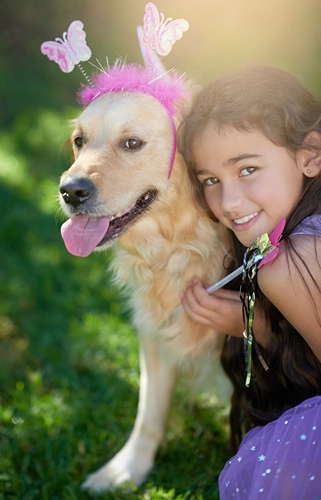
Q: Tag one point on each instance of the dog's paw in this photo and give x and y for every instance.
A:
(123, 468)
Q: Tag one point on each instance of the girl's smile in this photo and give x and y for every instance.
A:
(244, 223)
(245, 219)
(249, 183)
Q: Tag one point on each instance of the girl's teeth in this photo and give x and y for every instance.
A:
(245, 219)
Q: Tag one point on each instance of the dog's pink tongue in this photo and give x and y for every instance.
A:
(82, 233)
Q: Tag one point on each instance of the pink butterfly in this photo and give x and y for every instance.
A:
(69, 50)
(158, 34)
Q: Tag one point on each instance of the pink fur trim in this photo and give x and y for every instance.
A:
(166, 88)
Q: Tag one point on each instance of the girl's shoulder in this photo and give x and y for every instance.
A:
(291, 281)
(297, 261)
(287, 263)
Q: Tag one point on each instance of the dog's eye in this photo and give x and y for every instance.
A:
(133, 144)
(78, 142)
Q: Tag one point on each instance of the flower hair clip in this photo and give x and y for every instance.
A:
(157, 35)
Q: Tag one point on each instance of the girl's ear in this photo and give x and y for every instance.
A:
(309, 158)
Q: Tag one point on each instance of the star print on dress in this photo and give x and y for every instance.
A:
(280, 460)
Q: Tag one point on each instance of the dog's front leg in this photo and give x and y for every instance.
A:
(134, 461)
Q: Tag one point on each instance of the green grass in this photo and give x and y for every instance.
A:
(68, 356)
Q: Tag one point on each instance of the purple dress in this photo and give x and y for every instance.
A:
(281, 460)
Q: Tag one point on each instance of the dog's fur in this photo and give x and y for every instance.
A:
(159, 254)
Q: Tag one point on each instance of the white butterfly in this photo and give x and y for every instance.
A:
(158, 34)
(69, 50)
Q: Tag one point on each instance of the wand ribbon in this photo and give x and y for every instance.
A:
(264, 249)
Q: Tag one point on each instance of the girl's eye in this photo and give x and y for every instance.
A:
(133, 144)
(210, 181)
(78, 141)
(248, 171)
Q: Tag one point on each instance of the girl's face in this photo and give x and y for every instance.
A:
(249, 183)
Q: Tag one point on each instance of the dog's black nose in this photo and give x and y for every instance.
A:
(76, 190)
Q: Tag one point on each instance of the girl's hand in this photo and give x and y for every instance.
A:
(222, 310)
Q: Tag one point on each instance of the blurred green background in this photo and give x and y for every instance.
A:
(68, 355)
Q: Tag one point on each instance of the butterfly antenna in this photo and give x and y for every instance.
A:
(85, 74)
(168, 20)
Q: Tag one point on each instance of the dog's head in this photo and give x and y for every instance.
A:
(124, 146)
(124, 142)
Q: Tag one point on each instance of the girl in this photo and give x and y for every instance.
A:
(252, 142)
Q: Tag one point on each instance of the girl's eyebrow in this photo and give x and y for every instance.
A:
(242, 157)
(231, 161)
(202, 172)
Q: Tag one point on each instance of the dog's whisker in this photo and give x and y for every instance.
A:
(51, 200)
(54, 197)
(59, 215)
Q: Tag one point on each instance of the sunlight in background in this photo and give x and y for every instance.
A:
(223, 34)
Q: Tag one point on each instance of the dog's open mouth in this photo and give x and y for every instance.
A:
(83, 233)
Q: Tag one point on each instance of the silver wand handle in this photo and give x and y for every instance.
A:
(216, 286)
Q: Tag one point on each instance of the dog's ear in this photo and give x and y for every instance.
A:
(151, 60)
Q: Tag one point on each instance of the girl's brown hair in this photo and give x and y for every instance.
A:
(274, 102)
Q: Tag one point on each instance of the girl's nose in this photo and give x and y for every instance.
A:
(231, 200)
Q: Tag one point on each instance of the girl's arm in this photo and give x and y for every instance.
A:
(222, 311)
(291, 287)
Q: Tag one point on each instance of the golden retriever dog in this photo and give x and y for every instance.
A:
(119, 192)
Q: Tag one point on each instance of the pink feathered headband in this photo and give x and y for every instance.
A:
(157, 35)
(167, 89)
